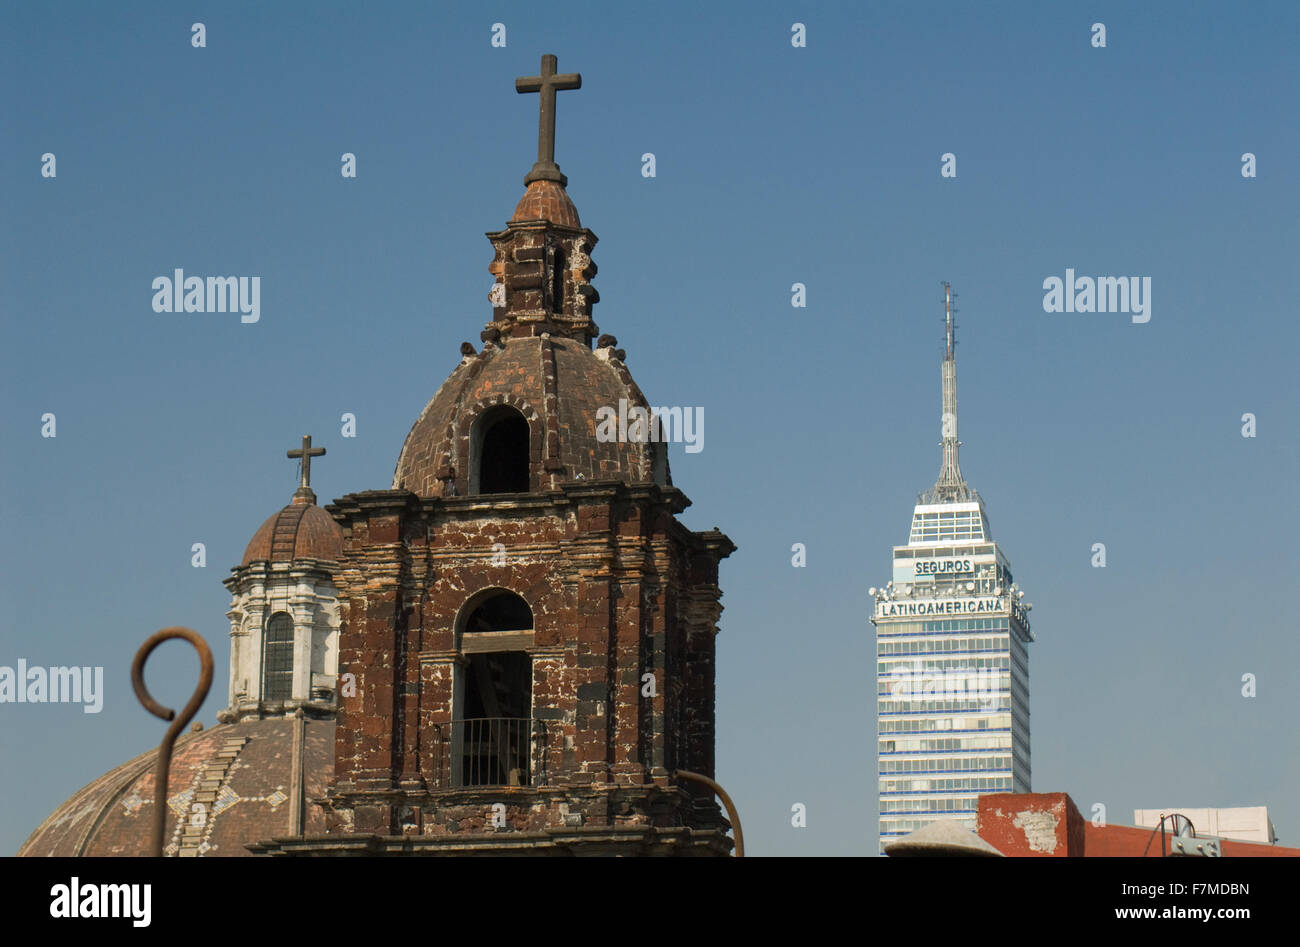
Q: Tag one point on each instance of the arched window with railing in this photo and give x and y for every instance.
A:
(494, 741)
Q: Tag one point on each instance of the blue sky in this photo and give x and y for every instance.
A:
(775, 165)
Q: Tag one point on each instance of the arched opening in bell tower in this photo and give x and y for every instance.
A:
(557, 281)
(499, 452)
(494, 733)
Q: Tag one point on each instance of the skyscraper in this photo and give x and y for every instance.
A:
(951, 642)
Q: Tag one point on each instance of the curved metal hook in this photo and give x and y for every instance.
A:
(732, 814)
(166, 713)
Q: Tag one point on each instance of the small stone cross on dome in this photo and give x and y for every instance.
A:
(306, 453)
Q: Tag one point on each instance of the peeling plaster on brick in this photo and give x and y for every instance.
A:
(1039, 828)
(616, 584)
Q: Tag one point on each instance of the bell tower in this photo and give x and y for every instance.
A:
(529, 627)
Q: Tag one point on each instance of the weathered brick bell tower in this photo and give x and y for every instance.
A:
(530, 628)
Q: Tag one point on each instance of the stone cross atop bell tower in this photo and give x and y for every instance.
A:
(547, 84)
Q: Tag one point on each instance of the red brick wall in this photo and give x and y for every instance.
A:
(1034, 825)
(618, 589)
(1049, 825)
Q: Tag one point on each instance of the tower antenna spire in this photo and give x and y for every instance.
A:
(949, 309)
(950, 487)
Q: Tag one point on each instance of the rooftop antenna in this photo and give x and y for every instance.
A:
(950, 487)
(949, 310)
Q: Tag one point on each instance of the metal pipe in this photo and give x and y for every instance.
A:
(166, 713)
(732, 814)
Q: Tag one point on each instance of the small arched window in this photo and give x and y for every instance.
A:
(277, 658)
(499, 452)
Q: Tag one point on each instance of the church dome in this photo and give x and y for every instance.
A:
(302, 530)
(547, 200)
(559, 386)
(228, 786)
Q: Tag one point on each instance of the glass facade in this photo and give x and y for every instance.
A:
(951, 522)
(952, 692)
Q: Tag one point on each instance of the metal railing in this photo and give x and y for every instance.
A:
(491, 751)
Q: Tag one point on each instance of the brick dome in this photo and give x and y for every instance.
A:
(302, 530)
(547, 200)
(558, 385)
(243, 775)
